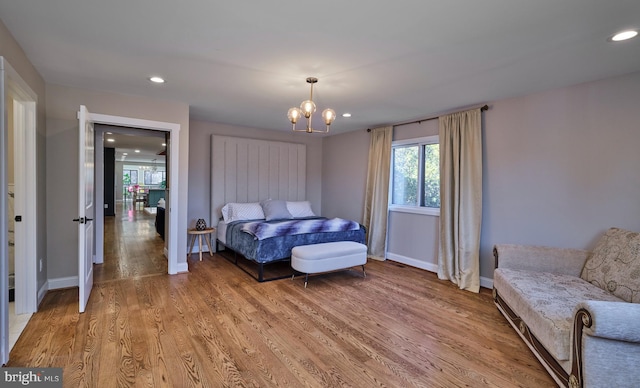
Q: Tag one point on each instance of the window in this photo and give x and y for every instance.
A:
(130, 177)
(154, 177)
(415, 176)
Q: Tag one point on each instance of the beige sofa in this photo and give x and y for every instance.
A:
(578, 311)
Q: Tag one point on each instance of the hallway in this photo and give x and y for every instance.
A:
(132, 248)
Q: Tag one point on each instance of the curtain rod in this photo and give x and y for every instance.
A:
(482, 109)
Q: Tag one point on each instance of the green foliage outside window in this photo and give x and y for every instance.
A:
(431, 195)
(126, 181)
(405, 176)
(409, 176)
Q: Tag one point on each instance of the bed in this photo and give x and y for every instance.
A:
(264, 238)
(246, 172)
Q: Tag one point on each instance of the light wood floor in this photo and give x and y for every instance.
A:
(132, 248)
(216, 326)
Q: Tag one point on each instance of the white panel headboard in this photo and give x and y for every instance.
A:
(250, 170)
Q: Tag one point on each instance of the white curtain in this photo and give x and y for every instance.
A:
(376, 199)
(460, 198)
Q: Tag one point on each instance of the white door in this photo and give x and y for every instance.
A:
(86, 235)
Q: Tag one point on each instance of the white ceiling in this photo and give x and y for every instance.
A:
(137, 148)
(245, 62)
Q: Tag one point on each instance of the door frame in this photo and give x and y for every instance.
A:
(100, 132)
(171, 250)
(26, 270)
(25, 198)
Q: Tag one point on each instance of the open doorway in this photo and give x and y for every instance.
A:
(18, 205)
(134, 175)
(18, 231)
(171, 131)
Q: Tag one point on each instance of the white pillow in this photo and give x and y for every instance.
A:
(245, 211)
(300, 209)
(225, 213)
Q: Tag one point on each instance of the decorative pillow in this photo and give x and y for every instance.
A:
(614, 265)
(225, 213)
(275, 209)
(244, 211)
(300, 209)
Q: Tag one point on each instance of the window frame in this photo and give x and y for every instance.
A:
(149, 175)
(420, 142)
(130, 172)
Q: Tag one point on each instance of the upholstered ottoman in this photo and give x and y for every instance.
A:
(325, 257)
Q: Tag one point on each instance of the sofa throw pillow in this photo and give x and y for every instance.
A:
(275, 209)
(614, 264)
(300, 209)
(245, 211)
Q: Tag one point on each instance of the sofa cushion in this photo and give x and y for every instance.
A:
(614, 264)
(545, 302)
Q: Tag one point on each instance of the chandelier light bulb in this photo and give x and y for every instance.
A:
(294, 114)
(308, 108)
(328, 115)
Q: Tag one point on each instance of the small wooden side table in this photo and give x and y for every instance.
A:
(207, 233)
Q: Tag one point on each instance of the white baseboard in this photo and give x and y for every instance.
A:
(71, 281)
(43, 291)
(183, 267)
(486, 282)
(431, 267)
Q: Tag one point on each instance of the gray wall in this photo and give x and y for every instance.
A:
(559, 168)
(344, 179)
(13, 53)
(422, 230)
(200, 163)
(344, 174)
(62, 159)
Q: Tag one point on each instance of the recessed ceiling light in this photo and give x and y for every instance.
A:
(346, 115)
(125, 154)
(164, 144)
(109, 133)
(137, 150)
(158, 80)
(111, 140)
(624, 35)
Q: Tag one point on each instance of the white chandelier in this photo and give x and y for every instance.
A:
(307, 109)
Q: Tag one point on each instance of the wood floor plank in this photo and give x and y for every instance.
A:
(217, 327)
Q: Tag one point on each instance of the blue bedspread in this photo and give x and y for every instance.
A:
(263, 229)
(278, 248)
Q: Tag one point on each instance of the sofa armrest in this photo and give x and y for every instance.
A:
(612, 320)
(606, 345)
(564, 261)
